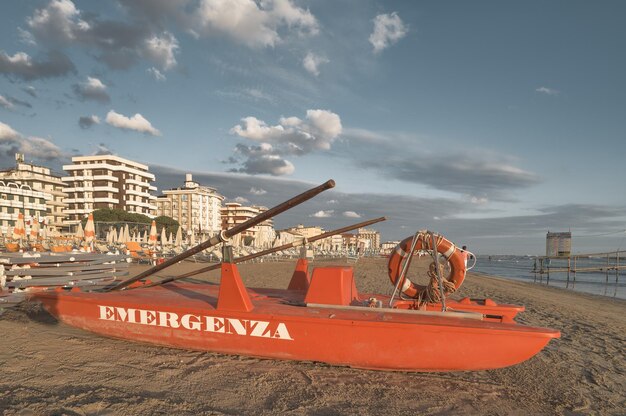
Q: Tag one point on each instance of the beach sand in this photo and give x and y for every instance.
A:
(50, 368)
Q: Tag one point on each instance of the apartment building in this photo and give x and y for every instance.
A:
(197, 208)
(370, 238)
(39, 178)
(261, 235)
(16, 198)
(107, 181)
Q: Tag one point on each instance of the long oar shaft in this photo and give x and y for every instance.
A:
(224, 235)
(271, 250)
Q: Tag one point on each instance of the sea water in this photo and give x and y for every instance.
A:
(521, 268)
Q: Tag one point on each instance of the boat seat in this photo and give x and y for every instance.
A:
(332, 286)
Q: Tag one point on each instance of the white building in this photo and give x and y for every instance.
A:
(39, 178)
(107, 181)
(260, 236)
(196, 208)
(16, 198)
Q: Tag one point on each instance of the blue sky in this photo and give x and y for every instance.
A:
(491, 122)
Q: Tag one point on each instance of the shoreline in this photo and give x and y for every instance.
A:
(50, 367)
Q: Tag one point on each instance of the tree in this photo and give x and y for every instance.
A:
(120, 216)
(170, 224)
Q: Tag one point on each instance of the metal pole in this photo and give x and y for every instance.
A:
(616, 266)
(405, 267)
(268, 251)
(225, 235)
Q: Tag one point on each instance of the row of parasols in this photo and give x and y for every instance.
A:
(113, 236)
(88, 234)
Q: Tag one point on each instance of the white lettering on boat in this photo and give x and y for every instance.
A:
(191, 322)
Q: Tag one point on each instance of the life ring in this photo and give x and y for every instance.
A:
(447, 249)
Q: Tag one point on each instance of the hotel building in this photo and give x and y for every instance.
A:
(39, 178)
(107, 181)
(371, 238)
(261, 235)
(16, 198)
(196, 208)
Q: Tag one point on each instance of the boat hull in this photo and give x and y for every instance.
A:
(278, 327)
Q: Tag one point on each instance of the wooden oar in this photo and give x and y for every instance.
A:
(269, 251)
(225, 235)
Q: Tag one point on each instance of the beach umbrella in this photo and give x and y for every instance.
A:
(79, 231)
(179, 237)
(170, 239)
(44, 230)
(90, 230)
(114, 235)
(144, 236)
(34, 230)
(152, 238)
(19, 230)
(163, 237)
(126, 233)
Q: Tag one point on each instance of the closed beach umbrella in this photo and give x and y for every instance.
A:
(163, 237)
(90, 230)
(79, 231)
(179, 237)
(114, 235)
(152, 238)
(170, 239)
(34, 230)
(19, 231)
(144, 237)
(126, 233)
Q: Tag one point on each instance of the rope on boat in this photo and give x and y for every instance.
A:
(432, 294)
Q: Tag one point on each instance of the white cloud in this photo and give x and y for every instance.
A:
(241, 200)
(323, 214)
(261, 159)
(388, 29)
(351, 214)
(162, 50)
(252, 23)
(35, 147)
(136, 122)
(547, 91)
(5, 103)
(58, 22)
(311, 63)
(92, 89)
(158, 75)
(293, 135)
(257, 191)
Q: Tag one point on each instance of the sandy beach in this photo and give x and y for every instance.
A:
(50, 368)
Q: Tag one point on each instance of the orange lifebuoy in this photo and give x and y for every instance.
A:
(446, 248)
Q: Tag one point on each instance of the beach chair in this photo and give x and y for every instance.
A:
(137, 252)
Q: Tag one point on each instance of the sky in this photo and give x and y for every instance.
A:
(491, 122)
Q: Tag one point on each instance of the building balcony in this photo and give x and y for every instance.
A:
(107, 166)
(107, 200)
(142, 194)
(105, 189)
